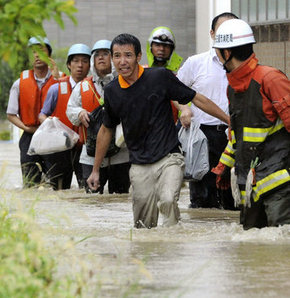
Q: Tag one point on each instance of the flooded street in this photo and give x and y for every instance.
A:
(206, 255)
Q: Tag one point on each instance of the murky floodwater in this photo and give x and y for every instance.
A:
(207, 255)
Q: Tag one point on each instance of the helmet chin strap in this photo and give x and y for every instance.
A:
(226, 60)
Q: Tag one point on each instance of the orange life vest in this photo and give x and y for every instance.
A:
(64, 92)
(90, 101)
(31, 98)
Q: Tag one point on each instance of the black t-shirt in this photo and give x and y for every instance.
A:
(146, 114)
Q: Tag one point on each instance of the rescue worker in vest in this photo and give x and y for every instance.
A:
(258, 151)
(26, 98)
(61, 165)
(86, 96)
(160, 50)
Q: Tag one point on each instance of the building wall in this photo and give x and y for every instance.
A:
(274, 54)
(271, 25)
(205, 12)
(190, 21)
(104, 19)
(273, 45)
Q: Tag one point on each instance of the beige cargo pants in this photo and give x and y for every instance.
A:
(156, 187)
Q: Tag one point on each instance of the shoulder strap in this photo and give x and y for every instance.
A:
(99, 99)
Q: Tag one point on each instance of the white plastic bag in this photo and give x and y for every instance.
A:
(119, 137)
(52, 136)
(195, 148)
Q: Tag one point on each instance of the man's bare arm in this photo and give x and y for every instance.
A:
(210, 108)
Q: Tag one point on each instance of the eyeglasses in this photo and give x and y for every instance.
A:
(102, 53)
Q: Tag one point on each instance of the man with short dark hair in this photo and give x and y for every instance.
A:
(140, 99)
(204, 73)
(258, 152)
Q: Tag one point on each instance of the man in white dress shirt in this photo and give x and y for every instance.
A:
(205, 74)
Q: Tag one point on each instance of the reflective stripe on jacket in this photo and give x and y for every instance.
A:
(258, 130)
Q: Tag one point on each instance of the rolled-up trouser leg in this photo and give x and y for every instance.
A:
(168, 188)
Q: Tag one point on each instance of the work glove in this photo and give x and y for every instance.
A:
(223, 173)
(229, 133)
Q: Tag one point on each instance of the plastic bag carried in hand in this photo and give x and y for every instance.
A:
(195, 148)
(52, 136)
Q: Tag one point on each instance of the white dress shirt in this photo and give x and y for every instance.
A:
(205, 74)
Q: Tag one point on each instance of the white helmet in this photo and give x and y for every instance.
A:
(35, 40)
(79, 48)
(101, 44)
(162, 35)
(233, 33)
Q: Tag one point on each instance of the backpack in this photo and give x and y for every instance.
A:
(96, 121)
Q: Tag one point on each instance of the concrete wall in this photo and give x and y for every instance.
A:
(273, 45)
(274, 54)
(190, 21)
(205, 12)
(104, 19)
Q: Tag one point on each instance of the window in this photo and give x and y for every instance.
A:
(262, 11)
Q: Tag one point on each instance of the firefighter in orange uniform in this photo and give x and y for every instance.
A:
(258, 152)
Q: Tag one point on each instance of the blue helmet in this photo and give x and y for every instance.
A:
(102, 44)
(38, 40)
(79, 48)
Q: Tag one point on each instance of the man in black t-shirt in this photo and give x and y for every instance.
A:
(140, 99)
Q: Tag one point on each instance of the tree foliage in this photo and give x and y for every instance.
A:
(6, 79)
(21, 19)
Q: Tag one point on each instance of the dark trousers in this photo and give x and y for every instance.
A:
(117, 177)
(270, 211)
(77, 167)
(32, 166)
(60, 167)
(204, 193)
